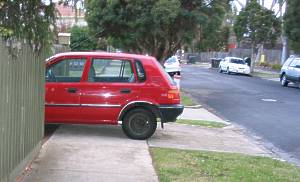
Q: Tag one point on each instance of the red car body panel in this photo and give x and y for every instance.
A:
(87, 102)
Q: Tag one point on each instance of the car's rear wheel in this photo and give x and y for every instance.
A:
(284, 81)
(139, 124)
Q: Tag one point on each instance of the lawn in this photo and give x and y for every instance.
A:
(208, 124)
(186, 165)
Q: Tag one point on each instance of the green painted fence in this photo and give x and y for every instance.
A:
(21, 109)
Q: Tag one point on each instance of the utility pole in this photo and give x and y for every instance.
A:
(284, 39)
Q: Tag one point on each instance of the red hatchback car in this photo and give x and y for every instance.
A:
(110, 88)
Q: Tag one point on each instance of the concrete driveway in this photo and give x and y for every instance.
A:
(92, 153)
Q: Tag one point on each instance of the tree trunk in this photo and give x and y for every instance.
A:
(260, 51)
(76, 11)
(252, 58)
(285, 49)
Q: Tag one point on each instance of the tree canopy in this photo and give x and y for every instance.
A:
(81, 40)
(292, 25)
(30, 20)
(154, 27)
(257, 23)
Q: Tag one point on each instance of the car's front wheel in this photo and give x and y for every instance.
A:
(227, 71)
(220, 70)
(284, 81)
(139, 124)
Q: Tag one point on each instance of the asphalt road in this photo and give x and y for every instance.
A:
(241, 100)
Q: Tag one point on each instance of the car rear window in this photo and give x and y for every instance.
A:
(237, 61)
(171, 60)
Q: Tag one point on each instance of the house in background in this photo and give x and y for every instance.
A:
(66, 17)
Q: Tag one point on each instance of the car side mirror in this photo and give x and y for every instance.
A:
(297, 66)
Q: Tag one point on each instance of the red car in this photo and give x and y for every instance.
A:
(110, 88)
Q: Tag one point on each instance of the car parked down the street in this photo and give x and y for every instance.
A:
(110, 88)
(290, 71)
(234, 65)
(173, 66)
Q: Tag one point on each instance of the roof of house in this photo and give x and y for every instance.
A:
(68, 11)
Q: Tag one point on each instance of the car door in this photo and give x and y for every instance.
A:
(63, 90)
(290, 70)
(294, 70)
(225, 64)
(110, 85)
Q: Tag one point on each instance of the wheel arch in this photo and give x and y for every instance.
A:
(139, 104)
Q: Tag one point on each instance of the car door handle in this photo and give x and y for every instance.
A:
(72, 90)
(125, 91)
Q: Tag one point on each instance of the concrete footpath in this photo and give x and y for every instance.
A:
(103, 153)
(227, 139)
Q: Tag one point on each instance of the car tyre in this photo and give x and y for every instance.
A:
(284, 81)
(220, 70)
(139, 124)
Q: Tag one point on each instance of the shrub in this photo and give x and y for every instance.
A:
(276, 66)
(264, 64)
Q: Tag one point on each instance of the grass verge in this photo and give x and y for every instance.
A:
(186, 100)
(265, 75)
(208, 124)
(185, 165)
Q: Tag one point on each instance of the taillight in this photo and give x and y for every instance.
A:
(173, 94)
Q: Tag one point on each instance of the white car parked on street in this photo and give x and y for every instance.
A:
(172, 66)
(234, 65)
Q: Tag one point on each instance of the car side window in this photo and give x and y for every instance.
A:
(108, 70)
(141, 75)
(67, 70)
(297, 63)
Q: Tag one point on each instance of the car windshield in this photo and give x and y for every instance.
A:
(237, 61)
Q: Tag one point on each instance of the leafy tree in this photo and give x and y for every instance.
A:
(257, 23)
(214, 40)
(292, 26)
(30, 20)
(155, 27)
(81, 40)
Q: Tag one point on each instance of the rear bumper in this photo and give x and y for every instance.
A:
(240, 71)
(169, 113)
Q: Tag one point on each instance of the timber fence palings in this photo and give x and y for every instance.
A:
(21, 108)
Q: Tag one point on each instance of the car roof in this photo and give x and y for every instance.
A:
(105, 54)
(234, 58)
